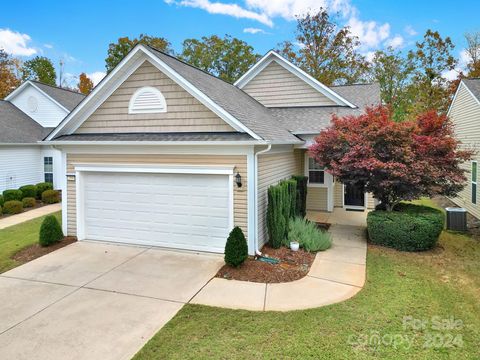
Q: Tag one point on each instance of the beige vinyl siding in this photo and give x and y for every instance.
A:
(184, 112)
(239, 161)
(271, 169)
(370, 201)
(317, 198)
(338, 194)
(275, 86)
(465, 114)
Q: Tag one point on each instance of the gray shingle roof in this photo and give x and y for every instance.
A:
(67, 98)
(474, 86)
(306, 120)
(18, 127)
(227, 136)
(233, 100)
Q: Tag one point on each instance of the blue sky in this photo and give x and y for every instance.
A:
(78, 32)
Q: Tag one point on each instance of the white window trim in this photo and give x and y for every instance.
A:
(325, 175)
(161, 109)
(48, 172)
(473, 182)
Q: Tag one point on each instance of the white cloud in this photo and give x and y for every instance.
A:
(225, 9)
(450, 74)
(48, 46)
(395, 42)
(15, 43)
(253, 31)
(410, 30)
(96, 76)
(370, 33)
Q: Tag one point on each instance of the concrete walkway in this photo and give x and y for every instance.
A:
(29, 215)
(336, 275)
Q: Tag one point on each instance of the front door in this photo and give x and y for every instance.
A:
(354, 195)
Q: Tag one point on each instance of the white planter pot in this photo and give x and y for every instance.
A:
(294, 245)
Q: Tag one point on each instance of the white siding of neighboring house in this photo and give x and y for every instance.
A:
(465, 114)
(48, 114)
(20, 165)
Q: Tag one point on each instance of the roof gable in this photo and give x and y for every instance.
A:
(272, 56)
(471, 86)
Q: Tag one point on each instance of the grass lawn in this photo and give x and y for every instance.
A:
(17, 237)
(444, 283)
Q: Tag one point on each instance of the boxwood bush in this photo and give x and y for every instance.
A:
(236, 249)
(41, 187)
(28, 202)
(12, 207)
(50, 231)
(28, 191)
(408, 227)
(9, 195)
(51, 196)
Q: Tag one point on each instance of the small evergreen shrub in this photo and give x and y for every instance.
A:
(309, 236)
(276, 222)
(408, 227)
(28, 191)
(1, 200)
(236, 249)
(50, 196)
(9, 195)
(41, 187)
(29, 202)
(1, 211)
(50, 231)
(12, 207)
(301, 200)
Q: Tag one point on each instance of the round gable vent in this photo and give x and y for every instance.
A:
(32, 104)
(147, 100)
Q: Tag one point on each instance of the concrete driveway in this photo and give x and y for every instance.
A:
(96, 301)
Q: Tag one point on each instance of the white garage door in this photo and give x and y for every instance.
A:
(183, 211)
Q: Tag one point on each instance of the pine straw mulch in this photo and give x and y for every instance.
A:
(35, 251)
(293, 265)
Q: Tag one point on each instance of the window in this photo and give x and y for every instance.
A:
(147, 100)
(48, 168)
(316, 174)
(474, 182)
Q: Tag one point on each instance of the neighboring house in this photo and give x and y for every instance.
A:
(465, 115)
(161, 153)
(27, 116)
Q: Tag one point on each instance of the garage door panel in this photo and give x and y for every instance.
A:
(174, 210)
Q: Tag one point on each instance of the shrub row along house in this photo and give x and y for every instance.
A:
(161, 153)
(27, 115)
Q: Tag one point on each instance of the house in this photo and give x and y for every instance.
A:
(162, 153)
(464, 112)
(27, 116)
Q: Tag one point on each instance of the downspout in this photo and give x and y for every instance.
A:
(257, 251)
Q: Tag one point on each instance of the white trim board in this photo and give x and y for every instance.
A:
(295, 70)
(154, 168)
(117, 76)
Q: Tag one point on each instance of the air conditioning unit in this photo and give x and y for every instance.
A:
(456, 219)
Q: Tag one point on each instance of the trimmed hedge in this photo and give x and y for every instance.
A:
(29, 202)
(41, 187)
(50, 196)
(9, 195)
(408, 227)
(28, 191)
(50, 231)
(12, 207)
(301, 201)
(236, 249)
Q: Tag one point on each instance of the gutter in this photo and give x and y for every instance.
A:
(269, 147)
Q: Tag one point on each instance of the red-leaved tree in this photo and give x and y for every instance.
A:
(394, 161)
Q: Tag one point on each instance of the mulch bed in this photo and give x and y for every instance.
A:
(35, 251)
(293, 265)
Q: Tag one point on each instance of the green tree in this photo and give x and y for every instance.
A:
(432, 57)
(393, 72)
(228, 57)
(8, 74)
(40, 69)
(325, 50)
(117, 51)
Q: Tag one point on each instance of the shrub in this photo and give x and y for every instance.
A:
(51, 196)
(50, 231)
(9, 195)
(1, 200)
(1, 211)
(301, 201)
(29, 202)
(12, 207)
(407, 228)
(41, 187)
(310, 237)
(276, 222)
(28, 191)
(236, 249)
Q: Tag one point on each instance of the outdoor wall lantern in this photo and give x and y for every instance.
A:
(238, 179)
